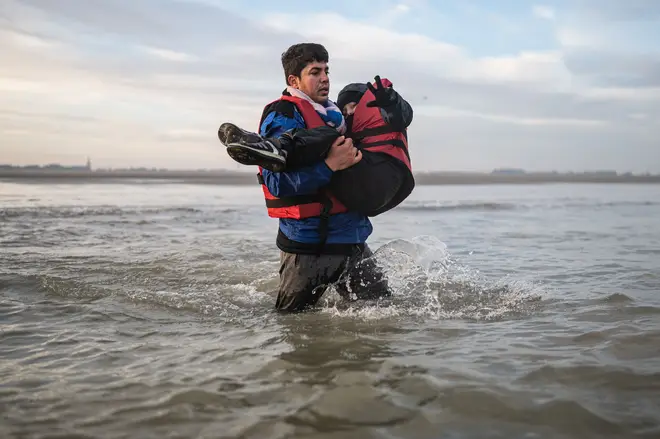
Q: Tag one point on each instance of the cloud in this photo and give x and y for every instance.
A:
(617, 10)
(168, 55)
(147, 83)
(365, 42)
(545, 12)
(631, 70)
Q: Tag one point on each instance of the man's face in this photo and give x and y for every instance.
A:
(313, 81)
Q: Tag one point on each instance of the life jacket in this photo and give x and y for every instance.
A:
(322, 203)
(371, 133)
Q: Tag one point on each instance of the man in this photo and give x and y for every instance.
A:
(321, 242)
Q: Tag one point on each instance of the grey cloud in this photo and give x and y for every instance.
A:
(224, 75)
(613, 68)
(183, 26)
(497, 99)
(114, 36)
(614, 42)
(198, 28)
(23, 115)
(618, 10)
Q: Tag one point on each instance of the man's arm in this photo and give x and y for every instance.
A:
(303, 181)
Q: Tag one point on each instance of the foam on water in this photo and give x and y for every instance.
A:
(426, 281)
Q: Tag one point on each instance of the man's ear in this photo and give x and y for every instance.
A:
(293, 81)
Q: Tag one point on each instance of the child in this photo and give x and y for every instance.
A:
(376, 118)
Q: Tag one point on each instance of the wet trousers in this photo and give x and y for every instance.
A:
(304, 278)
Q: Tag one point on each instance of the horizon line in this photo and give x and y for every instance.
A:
(509, 171)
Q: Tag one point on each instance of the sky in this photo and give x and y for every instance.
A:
(552, 85)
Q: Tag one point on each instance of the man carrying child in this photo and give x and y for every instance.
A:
(320, 186)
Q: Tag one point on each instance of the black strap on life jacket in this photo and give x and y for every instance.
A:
(324, 222)
(376, 131)
(393, 142)
(294, 201)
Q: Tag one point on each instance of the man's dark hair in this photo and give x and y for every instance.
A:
(296, 58)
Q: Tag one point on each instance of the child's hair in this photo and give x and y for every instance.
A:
(298, 56)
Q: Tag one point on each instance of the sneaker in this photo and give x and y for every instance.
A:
(249, 148)
(263, 153)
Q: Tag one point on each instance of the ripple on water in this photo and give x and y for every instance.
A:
(152, 322)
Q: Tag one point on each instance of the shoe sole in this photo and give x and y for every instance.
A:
(229, 133)
(246, 156)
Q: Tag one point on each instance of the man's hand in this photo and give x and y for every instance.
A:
(342, 154)
(384, 96)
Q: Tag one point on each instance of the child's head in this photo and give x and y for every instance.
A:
(349, 97)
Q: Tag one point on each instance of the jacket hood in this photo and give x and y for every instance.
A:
(351, 93)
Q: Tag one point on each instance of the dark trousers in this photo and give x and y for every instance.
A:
(305, 278)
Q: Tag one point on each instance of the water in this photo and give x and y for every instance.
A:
(145, 310)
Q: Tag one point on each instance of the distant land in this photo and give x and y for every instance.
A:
(84, 174)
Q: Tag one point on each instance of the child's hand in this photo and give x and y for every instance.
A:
(384, 96)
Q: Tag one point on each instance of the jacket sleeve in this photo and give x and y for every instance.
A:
(399, 115)
(302, 181)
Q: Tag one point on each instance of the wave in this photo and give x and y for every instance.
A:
(38, 212)
(595, 376)
(102, 211)
(440, 206)
(435, 206)
(424, 279)
(599, 204)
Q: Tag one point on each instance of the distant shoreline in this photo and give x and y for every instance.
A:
(247, 178)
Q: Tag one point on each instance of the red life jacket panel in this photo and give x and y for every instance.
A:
(299, 206)
(375, 134)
